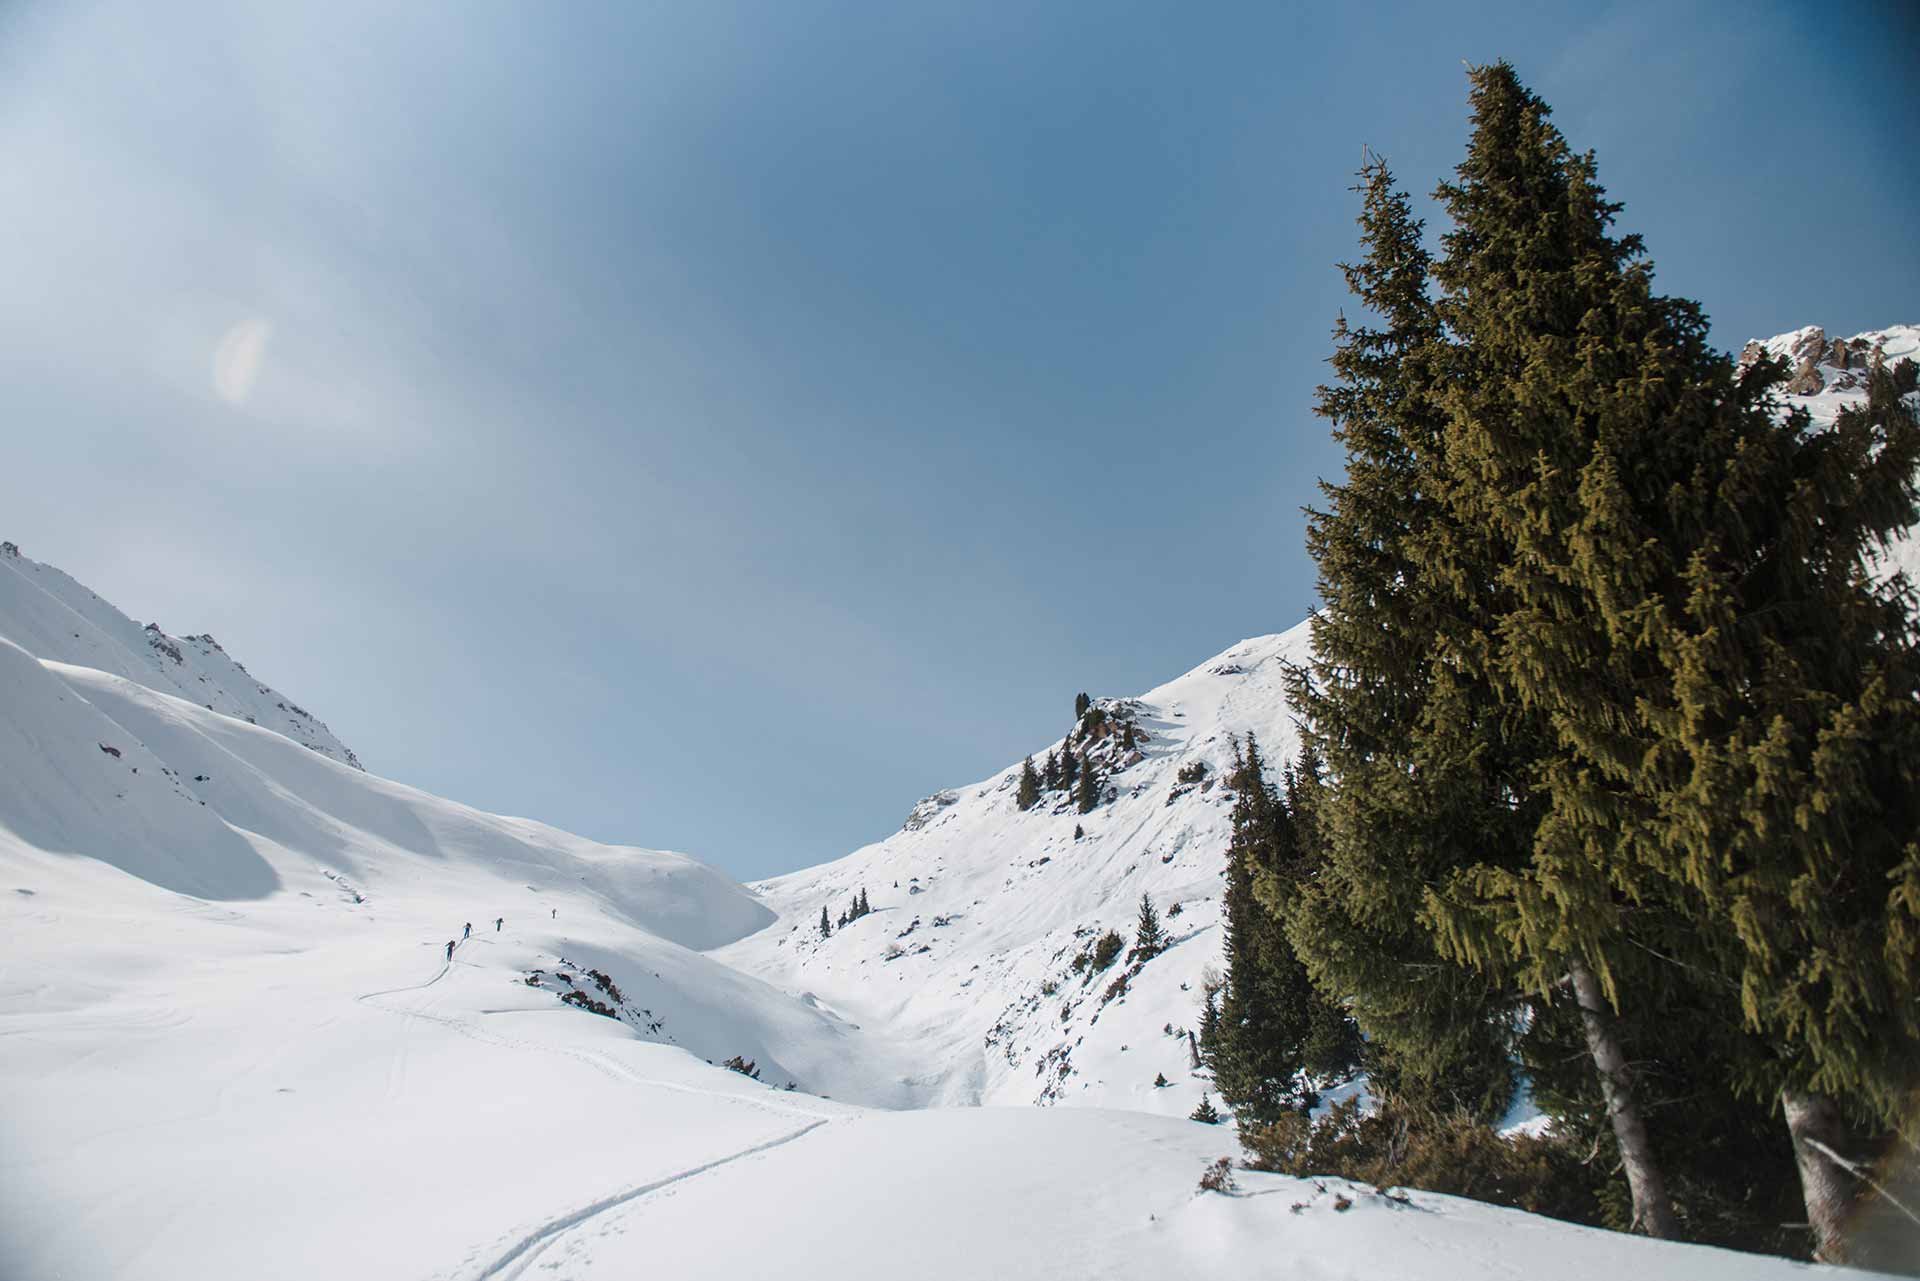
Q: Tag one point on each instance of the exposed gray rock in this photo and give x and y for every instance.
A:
(1806, 380)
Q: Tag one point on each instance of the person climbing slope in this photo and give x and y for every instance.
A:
(468, 932)
(449, 951)
(498, 921)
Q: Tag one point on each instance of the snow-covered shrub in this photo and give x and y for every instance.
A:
(1219, 1178)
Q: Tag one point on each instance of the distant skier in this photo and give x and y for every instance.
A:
(468, 932)
(449, 951)
(498, 921)
(556, 913)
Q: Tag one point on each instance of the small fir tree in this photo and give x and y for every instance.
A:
(1149, 939)
(1087, 795)
(826, 925)
(1205, 1113)
(1029, 794)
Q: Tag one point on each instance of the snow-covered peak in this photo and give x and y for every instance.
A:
(1827, 373)
(52, 616)
(982, 912)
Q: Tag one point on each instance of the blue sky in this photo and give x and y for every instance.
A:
(717, 426)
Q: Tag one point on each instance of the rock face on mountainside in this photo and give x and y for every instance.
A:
(1817, 363)
(981, 947)
(54, 617)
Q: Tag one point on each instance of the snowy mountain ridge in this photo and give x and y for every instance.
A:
(54, 617)
(982, 912)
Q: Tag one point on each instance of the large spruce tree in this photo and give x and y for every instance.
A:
(1617, 721)
(1560, 372)
(1715, 705)
(1400, 616)
(1786, 744)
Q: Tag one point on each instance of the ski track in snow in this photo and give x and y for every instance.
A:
(531, 1244)
(529, 1247)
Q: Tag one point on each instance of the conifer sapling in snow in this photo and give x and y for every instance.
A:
(1029, 794)
(1087, 795)
(1149, 938)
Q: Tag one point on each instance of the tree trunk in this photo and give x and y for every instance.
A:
(1652, 1208)
(1814, 1122)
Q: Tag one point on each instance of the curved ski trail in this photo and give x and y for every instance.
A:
(528, 1246)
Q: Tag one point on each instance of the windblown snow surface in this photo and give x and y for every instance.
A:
(232, 1043)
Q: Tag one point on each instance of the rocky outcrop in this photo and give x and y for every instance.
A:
(1816, 363)
(1805, 357)
(928, 809)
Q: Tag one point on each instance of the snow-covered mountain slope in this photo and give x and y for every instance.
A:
(54, 617)
(981, 910)
(233, 1041)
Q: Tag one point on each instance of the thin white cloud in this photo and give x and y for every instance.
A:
(237, 358)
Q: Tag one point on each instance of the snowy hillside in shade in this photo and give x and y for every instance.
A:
(980, 910)
(54, 617)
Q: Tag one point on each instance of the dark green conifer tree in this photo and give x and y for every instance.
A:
(1080, 705)
(826, 925)
(1688, 709)
(1050, 773)
(1029, 794)
(1275, 1037)
(1784, 740)
(1087, 795)
(1205, 1112)
(1149, 936)
(1069, 767)
(1420, 768)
